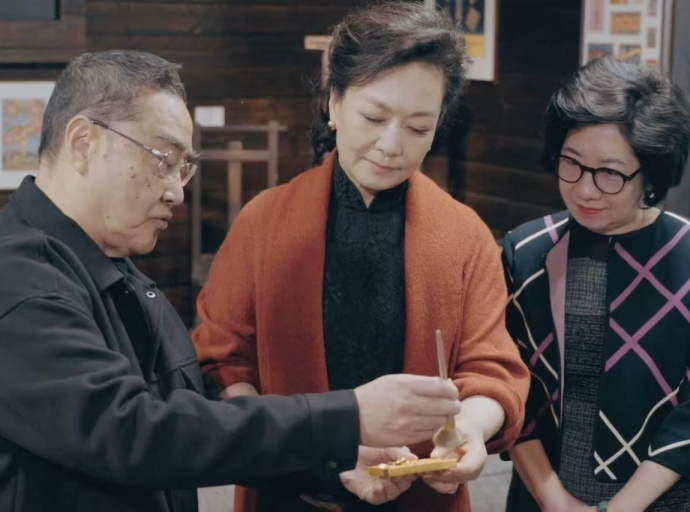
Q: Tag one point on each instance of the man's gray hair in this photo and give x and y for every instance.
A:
(104, 86)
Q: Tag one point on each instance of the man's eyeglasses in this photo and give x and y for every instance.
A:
(609, 181)
(171, 163)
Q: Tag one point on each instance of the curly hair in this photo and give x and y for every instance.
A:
(653, 115)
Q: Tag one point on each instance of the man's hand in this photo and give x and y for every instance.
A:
(373, 489)
(397, 410)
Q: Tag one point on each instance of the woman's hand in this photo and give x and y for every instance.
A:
(472, 459)
(373, 489)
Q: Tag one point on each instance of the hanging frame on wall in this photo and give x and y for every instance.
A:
(479, 20)
(22, 105)
(633, 30)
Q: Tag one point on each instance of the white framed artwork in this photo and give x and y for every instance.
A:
(22, 105)
(479, 22)
(632, 30)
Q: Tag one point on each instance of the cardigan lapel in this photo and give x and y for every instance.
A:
(430, 278)
(295, 267)
(292, 307)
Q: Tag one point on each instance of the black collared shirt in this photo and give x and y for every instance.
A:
(100, 390)
(364, 284)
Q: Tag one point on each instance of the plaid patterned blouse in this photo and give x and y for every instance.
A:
(643, 400)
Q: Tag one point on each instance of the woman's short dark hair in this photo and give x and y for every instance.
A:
(376, 39)
(653, 115)
(104, 85)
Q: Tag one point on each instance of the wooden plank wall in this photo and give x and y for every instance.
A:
(248, 56)
(494, 154)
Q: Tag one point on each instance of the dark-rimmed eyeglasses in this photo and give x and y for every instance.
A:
(171, 163)
(609, 181)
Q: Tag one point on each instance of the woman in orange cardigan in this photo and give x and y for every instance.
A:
(344, 274)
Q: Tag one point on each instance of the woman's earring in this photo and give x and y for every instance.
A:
(331, 125)
(648, 197)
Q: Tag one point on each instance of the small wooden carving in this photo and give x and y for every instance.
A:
(404, 467)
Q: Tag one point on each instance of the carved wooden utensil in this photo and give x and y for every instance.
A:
(448, 437)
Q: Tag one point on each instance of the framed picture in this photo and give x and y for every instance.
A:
(22, 105)
(479, 21)
(634, 30)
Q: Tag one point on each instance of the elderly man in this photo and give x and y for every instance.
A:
(100, 392)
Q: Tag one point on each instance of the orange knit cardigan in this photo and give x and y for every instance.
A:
(261, 309)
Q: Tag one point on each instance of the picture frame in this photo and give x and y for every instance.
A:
(479, 22)
(634, 30)
(22, 105)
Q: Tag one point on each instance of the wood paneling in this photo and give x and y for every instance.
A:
(217, 19)
(504, 213)
(245, 55)
(58, 40)
(499, 146)
(248, 56)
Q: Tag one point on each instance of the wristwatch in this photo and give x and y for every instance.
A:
(603, 506)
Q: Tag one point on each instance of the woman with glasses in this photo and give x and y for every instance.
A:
(599, 302)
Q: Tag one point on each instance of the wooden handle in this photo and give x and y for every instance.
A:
(443, 372)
